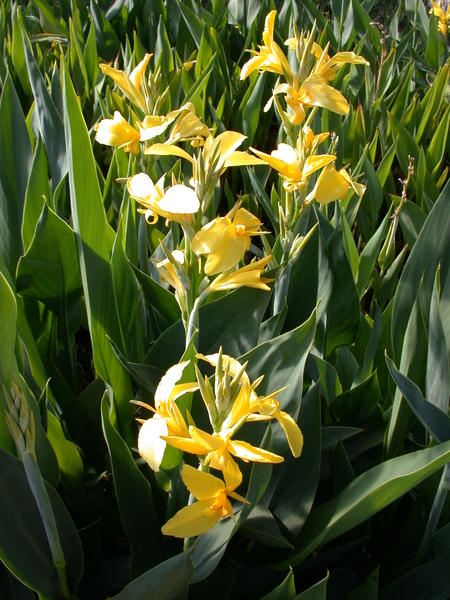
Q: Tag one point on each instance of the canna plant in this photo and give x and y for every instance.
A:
(223, 296)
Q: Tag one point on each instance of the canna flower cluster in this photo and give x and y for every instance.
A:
(305, 172)
(441, 10)
(230, 401)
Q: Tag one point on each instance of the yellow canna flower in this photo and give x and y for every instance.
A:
(175, 204)
(167, 419)
(293, 167)
(211, 506)
(226, 239)
(327, 67)
(130, 85)
(268, 407)
(168, 273)
(248, 276)
(219, 449)
(314, 91)
(270, 57)
(333, 185)
(443, 17)
(118, 132)
(152, 126)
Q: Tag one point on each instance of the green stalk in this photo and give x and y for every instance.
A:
(40, 494)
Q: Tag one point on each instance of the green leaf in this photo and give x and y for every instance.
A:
(316, 592)
(8, 365)
(360, 404)
(413, 365)
(94, 241)
(69, 460)
(263, 199)
(370, 254)
(26, 553)
(368, 591)
(48, 119)
(49, 270)
(194, 24)
(417, 14)
(432, 418)
(108, 43)
(364, 497)
(427, 582)
(262, 526)
(37, 190)
(163, 51)
(431, 249)
(50, 22)
(18, 56)
(438, 376)
(412, 219)
(343, 306)
(252, 111)
(167, 581)
(134, 496)
(15, 166)
(296, 488)
(436, 149)
(285, 591)
(158, 297)
(317, 368)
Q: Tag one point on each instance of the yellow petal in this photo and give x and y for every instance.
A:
(321, 94)
(138, 72)
(166, 150)
(293, 434)
(192, 520)
(200, 484)
(253, 64)
(151, 446)
(313, 163)
(330, 186)
(152, 126)
(186, 444)
(248, 452)
(118, 132)
(242, 159)
(227, 250)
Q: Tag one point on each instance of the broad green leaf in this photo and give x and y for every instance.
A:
(370, 253)
(432, 103)
(296, 488)
(50, 21)
(431, 249)
(412, 219)
(316, 592)
(163, 51)
(108, 43)
(18, 56)
(413, 365)
(343, 307)
(49, 270)
(8, 365)
(48, 119)
(263, 199)
(317, 368)
(37, 190)
(360, 404)
(94, 241)
(194, 24)
(69, 460)
(438, 377)
(350, 247)
(167, 581)
(406, 146)
(432, 418)
(427, 582)
(365, 496)
(262, 526)
(417, 14)
(26, 553)
(15, 166)
(285, 591)
(158, 297)
(385, 166)
(436, 149)
(134, 496)
(368, 591)
(12, 588)
(367, 365)
(252, 111)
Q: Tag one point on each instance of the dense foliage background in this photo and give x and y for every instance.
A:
(356, 322)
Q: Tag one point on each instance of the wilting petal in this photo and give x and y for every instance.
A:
(193, 520)
(202, 485)
(179, 199)
(151, 446)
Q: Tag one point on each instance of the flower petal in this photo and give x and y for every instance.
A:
(140, 186)
(179, 199)
(201, 485)
(168, 381)
(151, 446)
(248, 452)
(192, 520)
(293, 433)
